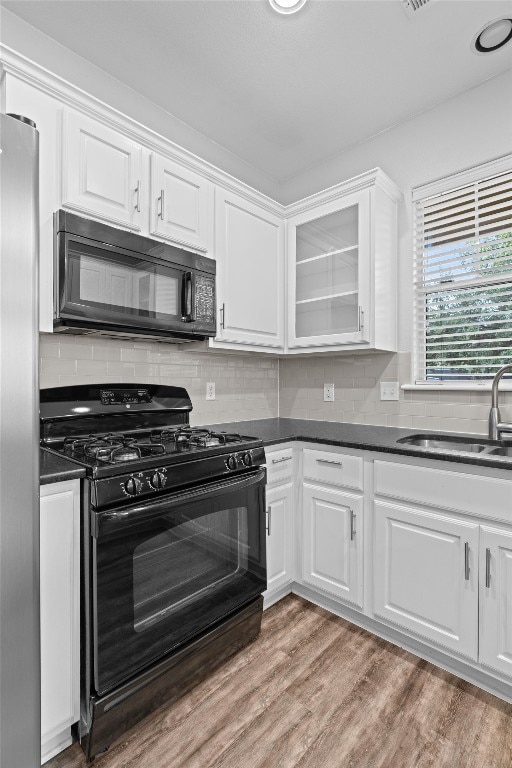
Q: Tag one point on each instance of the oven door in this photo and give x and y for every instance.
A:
(111, 288)
(166, 571)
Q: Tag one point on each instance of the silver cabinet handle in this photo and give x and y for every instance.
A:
(487, 567)
(161, 198)
(280, 461)
(330, 461)
(269, 519)
(137, 197)
(222, 315)
(361, 318)
(466, 561)
(352, 524)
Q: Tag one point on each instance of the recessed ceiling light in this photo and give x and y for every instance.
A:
(287, 6)
(493, 36)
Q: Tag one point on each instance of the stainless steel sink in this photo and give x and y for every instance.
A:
(504, 450)
(458, 444)
(444, 444)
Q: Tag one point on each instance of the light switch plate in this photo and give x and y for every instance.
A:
(329, 393)
(210, 390)
(389, 390)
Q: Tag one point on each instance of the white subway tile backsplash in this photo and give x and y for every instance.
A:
(249, 386)
(246, 385)
(357, 395)
(75, 351)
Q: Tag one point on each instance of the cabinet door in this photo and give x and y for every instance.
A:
(279, 537)
(249, 244)
(60, 631)
(101, 173)
(182, 205)
(496, 599)
(332, 556)
(426, 575)
(329, 274)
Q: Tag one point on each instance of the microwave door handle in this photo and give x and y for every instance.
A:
(188, 299)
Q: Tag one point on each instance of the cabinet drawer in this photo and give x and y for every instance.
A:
(445, 489)
(279, 465)
(334, 468)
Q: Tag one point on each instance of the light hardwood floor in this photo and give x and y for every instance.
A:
(314, 691)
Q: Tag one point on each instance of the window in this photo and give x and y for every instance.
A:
(463, 275)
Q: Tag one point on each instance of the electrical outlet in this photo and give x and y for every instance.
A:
(210, 390)
(389, 390)
(329, 393)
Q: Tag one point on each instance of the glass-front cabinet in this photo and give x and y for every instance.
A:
(342, 269)
(331, 284)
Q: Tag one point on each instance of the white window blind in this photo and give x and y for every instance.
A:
(463, 281)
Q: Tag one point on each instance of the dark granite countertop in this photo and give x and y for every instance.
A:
(360, 436)
(54, 469)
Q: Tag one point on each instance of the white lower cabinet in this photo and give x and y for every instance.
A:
(426, 575)
(279, 538)
(496, 599)
(60, 621)
(332, 542)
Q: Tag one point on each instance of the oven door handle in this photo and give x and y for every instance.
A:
(104, 523)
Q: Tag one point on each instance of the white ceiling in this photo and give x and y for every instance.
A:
(281, 92)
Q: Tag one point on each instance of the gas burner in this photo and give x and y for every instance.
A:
(163, 436)
(208, 439)
(123, 453)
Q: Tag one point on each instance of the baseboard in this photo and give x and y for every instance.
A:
(53, 746)
(276, 595)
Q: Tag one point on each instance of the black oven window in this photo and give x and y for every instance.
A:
(123, 284)
(186, 562)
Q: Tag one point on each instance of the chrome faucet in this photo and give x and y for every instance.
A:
(496, 426)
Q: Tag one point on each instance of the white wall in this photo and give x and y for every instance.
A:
(36, 46)
(469, 129)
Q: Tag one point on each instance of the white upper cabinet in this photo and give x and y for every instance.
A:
(181, 205)
(101, 172)
(331, 286)
(249, 248)
(342, 267)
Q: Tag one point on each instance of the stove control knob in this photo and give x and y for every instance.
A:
(231, 461)
(247, 459)
(132, 486)
(157, 480)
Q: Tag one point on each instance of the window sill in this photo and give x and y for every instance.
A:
(469, 386)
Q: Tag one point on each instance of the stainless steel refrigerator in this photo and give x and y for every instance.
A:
(20, 740)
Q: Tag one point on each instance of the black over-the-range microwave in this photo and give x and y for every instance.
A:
(110, 281)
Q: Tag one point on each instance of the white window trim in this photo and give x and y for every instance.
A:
(436, 187)
(462, 386)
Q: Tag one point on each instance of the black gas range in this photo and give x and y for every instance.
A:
(173, 546)
(135, 441)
